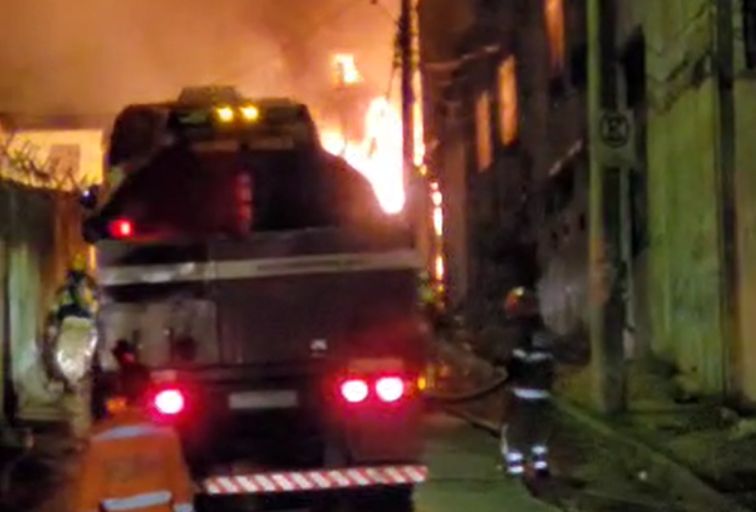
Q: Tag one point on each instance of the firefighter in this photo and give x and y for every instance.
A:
(77, 297)
(132, 463)
(71, 341)
(530, 375)
(427, 297)
(127, 358)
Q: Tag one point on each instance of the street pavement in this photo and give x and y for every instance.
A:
(465, 474)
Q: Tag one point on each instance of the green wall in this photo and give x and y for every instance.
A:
(683, 292)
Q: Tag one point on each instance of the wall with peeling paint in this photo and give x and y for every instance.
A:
(38, 234)
(684, 291)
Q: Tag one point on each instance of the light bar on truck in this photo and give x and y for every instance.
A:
(250, 112)
(316, 480)
(224, 114)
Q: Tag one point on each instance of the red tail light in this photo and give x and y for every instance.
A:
(169, 402)
(354, 391)
(390, 389)
(121, 228)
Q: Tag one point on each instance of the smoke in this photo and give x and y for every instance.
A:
(95, 56)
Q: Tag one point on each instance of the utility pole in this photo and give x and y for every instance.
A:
(408, 101)
(606, 270)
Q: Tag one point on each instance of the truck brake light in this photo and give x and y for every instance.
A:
(169, 402)
(354, 391)
(121, 228)
(389, 389)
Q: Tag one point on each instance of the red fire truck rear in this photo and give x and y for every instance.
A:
(272, 300)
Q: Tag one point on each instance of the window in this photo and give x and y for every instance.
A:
(749, 32)
(483, 130)
(508, 101)
(554, 16)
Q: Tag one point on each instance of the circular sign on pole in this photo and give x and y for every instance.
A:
(615, 129)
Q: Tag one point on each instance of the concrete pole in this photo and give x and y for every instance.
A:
(605, 302)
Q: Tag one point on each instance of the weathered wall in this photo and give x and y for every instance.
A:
(39, 231)
(744, 91)
(745, 98)
(39, 234)
(683, 292)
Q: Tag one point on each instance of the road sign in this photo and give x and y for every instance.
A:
(616, 137)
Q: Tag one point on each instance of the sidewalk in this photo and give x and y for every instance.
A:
(713, 441)
(598, 465)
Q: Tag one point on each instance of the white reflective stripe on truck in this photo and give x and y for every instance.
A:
(257, 268)
(315, 480)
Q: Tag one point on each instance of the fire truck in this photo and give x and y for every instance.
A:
(272, 300)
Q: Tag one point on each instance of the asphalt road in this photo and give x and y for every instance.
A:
(464, 473)
(464, 476)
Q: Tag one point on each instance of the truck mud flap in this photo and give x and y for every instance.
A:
(315, 480)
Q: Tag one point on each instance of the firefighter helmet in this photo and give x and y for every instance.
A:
(79, 263)
(520, 302)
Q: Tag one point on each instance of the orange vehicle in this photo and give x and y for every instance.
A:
(273, 301)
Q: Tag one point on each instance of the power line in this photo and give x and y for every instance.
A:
(385, 10)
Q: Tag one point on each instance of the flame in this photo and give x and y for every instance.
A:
(346, 69)
(418, 136)
(378, 156)
(440, 267)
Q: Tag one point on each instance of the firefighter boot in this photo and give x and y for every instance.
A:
(539, 458)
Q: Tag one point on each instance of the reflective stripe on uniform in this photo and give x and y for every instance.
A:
(138, 501)
(183, 507)
(517, 469)
(258, 268)
(535, 356)
(127, 432)
(530, 394)
(514, 457)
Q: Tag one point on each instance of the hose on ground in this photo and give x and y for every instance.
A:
(467, 396)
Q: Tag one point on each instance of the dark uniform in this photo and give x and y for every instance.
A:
(530, 371)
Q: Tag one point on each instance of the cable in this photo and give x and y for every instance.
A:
(385, 10)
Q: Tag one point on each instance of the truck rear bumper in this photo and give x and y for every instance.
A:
(315, 480)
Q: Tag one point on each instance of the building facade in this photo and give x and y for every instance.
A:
(647, 248)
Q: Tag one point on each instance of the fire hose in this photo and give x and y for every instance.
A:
(466, 396)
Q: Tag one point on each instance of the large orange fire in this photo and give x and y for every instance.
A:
(378, 156)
